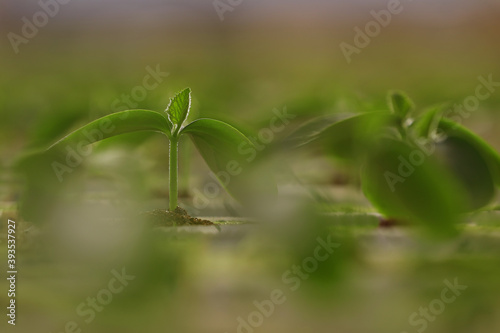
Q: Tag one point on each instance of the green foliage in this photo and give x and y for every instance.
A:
(426, 170)
(490, 155)
(471, 171)
(218, 144)
(427, 124)
(216, 141)
(420, 168)
(424, 193)
(350, 138)
(116, 124)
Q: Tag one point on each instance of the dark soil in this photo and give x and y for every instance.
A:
(389, 223)
(167, 218)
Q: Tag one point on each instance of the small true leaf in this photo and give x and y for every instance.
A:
(427, 124)
(179, 106)
(400, 104)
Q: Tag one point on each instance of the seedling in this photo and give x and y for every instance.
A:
(217, 142)
(414, 167)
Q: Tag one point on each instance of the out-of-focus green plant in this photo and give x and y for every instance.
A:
(217, 142)
(419, 167)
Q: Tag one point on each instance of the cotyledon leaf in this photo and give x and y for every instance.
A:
(309, 131)
(352, 138)
(470, 169)
(490, 155)
(45, 171)
(425, 193)
(115, 124)
(224, 149)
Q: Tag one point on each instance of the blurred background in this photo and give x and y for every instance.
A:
(243, 59)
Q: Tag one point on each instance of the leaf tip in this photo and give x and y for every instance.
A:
(399, 103)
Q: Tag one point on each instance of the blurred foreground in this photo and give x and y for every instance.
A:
(97, 268)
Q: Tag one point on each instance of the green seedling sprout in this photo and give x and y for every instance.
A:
(414, 166)
(217, 142)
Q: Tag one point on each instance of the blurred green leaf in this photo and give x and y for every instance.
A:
(469, 168)
(352, 138)
(490, 155)
(422, 192)
(310, 130)
(400, 104)
(426, 125)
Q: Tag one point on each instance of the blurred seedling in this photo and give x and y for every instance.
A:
(415, 166)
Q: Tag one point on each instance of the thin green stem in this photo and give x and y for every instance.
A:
(173, 173)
